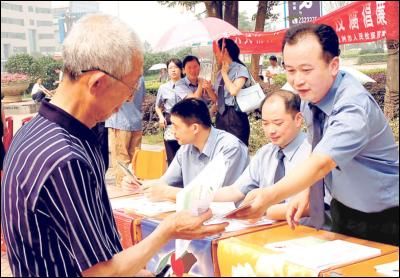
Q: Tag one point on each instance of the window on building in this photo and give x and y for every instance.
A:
(42, 10)
(15, 21)
(30, 9)
(32, 40)
(31, 22)
(47, 49)
(11, 35)
(10, 6)
(20, 50)
(44, 23)
(46, 36)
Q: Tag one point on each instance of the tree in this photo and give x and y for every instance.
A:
(19, 63)
(226, 10)
(147, 46)
(264, 12)
(40, 67)
(245, 24)
(392, 80)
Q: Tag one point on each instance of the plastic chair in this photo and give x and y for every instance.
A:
(25, 120)
(149, 164)
(10, 132)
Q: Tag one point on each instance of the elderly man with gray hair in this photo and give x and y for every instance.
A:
(56, 214)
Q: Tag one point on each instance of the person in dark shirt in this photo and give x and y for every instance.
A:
(56, 215)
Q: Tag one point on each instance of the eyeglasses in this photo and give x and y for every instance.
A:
(131, 89)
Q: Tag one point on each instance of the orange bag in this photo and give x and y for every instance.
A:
(149, 164)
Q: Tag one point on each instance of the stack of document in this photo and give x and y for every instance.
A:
(143, 206)
(389, 269)
(320, 255)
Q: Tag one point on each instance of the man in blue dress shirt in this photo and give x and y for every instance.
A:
(200, 143)
(356, 157)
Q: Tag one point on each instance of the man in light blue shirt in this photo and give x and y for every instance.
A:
(282, 122)
(200, 143)
(356, 157)
(125, 128)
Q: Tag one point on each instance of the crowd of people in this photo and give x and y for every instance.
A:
(342, 175)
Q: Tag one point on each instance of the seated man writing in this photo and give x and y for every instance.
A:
(200, 143)
(281, 121)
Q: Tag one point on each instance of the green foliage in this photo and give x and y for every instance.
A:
(279, 79)
(162, 57)
(153, 139)
(40, 67)
(394, 124)
(352, 53)
(152, 87)
(257, 137)
(371, 51)
(19, 63)
(44, 67)
(372, 58)
(370, 72)
(245, 24)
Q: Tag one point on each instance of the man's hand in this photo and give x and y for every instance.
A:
(158, 190)
(185, 226)
(297, 206)
(131, 184)
(259, 202)
(162, 122)
(269, 74)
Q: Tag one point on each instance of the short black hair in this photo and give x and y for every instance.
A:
(191, 111)
(325, 34)
(177, 63)
(190, 58)
(273, 58)
(292, 101)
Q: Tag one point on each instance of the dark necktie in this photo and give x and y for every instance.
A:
(280, 169)
(221, 97)
(317, 209)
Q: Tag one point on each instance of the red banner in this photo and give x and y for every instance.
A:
(358, 22)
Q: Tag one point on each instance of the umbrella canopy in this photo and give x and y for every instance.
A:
(362, 77)
(158, 66)
(203, 30)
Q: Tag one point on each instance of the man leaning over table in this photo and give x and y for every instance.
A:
(281, 122)
(56, 215)
(200, 143)
(354, 152)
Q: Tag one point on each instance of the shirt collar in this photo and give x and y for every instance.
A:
(188, 83)
(326, 104)
(67, 121)
(293, 146)
(209, 146)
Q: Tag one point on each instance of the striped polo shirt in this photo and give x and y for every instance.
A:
(56, 215)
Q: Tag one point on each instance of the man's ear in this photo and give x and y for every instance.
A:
(298, 119)
(98, 82)
(334, 66)
(196, 128)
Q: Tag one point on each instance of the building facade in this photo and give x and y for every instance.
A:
(27, 27)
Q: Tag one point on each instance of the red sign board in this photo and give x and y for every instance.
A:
(358, 22)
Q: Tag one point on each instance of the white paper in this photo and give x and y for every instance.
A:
(388, 269)
(198, 194)
(143, 206)
(331, 253)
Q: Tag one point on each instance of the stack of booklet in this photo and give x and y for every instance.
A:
(318, 254)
